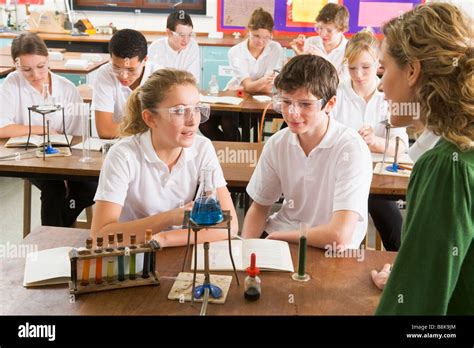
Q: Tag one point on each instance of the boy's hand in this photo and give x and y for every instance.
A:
(380, 278)
(298, 44)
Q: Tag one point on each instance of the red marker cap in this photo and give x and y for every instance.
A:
(240, 93)
(253, 270)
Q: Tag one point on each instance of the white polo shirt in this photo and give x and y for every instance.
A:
(109, 95)
(244, 65)
(161, 53)
(426, 141)
(136, 178)
(352, 111)
(336, 175)
(17, 94)
(336, 57)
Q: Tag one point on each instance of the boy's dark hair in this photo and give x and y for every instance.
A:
(28, 43)
(178, 17)
(334, 13)
(128, 43)
(313, 73)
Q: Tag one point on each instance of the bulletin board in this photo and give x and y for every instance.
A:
(297, 16)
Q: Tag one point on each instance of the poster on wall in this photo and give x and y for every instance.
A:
(298, 16)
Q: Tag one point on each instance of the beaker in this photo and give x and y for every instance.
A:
(206, 209)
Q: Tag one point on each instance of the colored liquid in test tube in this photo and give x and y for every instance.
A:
(301, 275)
(98, 261)
(121, 273)
(110, 260)
(87, 264)
(147, 256)
(132, 270)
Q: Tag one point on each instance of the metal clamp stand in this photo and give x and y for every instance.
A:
(388, 126)
(44, 112)
(225, 224)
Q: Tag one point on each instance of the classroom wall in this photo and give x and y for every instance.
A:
(157, 22)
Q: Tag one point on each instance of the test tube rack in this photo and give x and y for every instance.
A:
(75, 256)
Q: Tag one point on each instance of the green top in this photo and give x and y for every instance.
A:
(433, 273)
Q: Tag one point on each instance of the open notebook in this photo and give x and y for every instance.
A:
(272, 255)
(47, 267)
(52, 266)
(37, 140)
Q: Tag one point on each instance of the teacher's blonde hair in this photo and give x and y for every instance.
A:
(439, 36)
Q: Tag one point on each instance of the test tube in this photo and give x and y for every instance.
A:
(301, 274)
(131, 274)
(147, 256)
(98, 261)
(110, 260)
(121, 273)
(87, 264)
(86, 144)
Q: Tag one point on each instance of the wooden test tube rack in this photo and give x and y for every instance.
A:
(76, 255)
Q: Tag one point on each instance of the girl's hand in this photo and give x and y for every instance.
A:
(380, 278)
(367, 133)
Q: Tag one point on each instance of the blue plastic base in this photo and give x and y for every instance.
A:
(215, 291)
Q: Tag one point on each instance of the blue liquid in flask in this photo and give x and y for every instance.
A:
(206, 211)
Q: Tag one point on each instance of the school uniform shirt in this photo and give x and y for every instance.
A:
(426, 141)
(161, 53)
(336, 175)
(109, 95)
(434, 268)
(352, 111)
(244, 65)
(17, 95)
(134, 177)
(336, 57)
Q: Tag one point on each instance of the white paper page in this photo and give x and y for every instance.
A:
(95, 144)
(220, 100)
(219, 258)
(271, 254)
(34, 140)
(47, 264)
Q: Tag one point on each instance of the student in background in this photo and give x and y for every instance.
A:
(322, 167)
(116, 80)
(362, 107)
(150, 177)
(61, 201)
(253, 63)
(429, 59)
(178, 49)
(331, 23)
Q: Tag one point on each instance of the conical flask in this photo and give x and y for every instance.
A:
(207, 209)
(46, 96)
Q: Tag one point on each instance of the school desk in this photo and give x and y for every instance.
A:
(58, 66)
(4, 71)
(338, 286)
